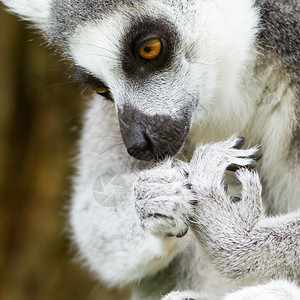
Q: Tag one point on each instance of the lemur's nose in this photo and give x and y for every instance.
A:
(147, 137)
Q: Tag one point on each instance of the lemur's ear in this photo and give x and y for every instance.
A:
(36, 11)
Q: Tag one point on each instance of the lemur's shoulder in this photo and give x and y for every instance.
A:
(279, 37)
(280, 32)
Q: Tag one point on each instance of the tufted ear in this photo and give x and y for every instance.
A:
(36, 11)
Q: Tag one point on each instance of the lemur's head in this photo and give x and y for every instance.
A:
(163, 63)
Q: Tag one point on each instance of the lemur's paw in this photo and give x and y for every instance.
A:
(209, 162)
(275, 290)
(162, 200)
(189, 295)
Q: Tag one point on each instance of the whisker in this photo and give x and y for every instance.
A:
(106, 56)
(82, 94)
(103, 152)
(70, 119)
(105, 136)
(127, 164)
(113, 42)
(200, 63)
(98, 47)
(178, 111)
(51, 70)
(59, 84)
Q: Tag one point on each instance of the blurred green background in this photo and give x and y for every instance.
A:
(40, 111)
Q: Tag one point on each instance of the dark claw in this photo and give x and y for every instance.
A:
(183, 233)
(182, 165)
(170, 235)
(250, 167)
(194, 202)
(240, 143)
(179, 235)
(189, 186)
(257, 155)
(233, 167)
(235, 199)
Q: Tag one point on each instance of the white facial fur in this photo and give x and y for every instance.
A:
(216, 41)
(213, 50)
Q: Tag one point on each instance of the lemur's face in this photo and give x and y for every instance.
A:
(137, 58)
(155, 60)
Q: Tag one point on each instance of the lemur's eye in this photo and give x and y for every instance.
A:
(151, 49)
(102, 90)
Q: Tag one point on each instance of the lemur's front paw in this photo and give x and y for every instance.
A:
(189, 295)
(162, 200)
(275, 290)
(209, 162)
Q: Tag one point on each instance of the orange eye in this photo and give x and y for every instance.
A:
(98, 89)
(151, 49)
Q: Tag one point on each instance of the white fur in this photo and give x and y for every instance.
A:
(216, 37)
(217, 66)
(275, 290)
(36, 11)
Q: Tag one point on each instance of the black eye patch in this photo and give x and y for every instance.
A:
(81, 75)
(142, 29)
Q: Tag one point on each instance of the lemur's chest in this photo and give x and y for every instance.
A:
(272, 126)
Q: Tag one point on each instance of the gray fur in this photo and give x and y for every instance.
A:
(280, 32)
(248, 231)
(66, 15)
(280, 37)
(222, 244)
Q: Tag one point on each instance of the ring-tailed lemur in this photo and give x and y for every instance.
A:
(180, 73)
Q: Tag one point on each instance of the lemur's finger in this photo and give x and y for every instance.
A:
(249, 180)
(251, 186)
(251, 194)
(162, 225)
(181, 166)
(183, 233)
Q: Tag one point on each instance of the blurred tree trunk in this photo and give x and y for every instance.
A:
(39, 115)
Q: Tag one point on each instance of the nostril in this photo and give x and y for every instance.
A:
(148, 140)
(142, 149)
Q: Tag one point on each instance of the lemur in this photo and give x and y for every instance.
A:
(179, 74)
